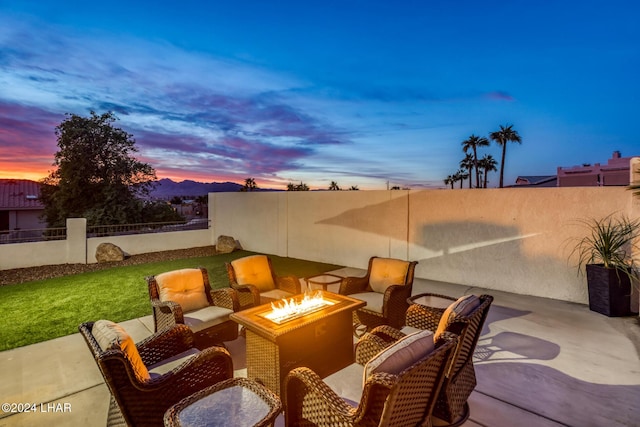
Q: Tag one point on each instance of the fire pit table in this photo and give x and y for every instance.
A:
(320, 339)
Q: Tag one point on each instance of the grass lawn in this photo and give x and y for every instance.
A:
(45, 309)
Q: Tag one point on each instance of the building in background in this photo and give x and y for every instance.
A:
(20, 207)
(615, 172)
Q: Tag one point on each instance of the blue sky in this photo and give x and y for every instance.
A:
(358, 92)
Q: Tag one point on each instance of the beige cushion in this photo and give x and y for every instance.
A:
(347, 382)
(463, 306)
(206, 317)
(400, 355)
(185, 287)
(170, 364)
(386, 272)
(111, 336)
(254, 270)
(374, 300)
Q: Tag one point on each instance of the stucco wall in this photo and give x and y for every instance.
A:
(515, 240)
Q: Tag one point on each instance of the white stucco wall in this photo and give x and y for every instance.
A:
(512, 239)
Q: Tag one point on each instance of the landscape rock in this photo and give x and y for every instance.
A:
(226, 244)
(108, 252)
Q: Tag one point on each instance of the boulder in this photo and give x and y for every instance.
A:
(226, 244)
(108, 252)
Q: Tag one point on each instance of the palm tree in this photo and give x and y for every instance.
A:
(502, 137)
(249, 185)
(354, 188)
(467, 163)
(461, 175)
(300, 187)
(472, 143)
(334, 186)
(488, 164)
(450, 180)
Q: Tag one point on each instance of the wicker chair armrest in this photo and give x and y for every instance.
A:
(305, 387)
(353, 285)
(244, 290)
(289, 284)
(368, 346)
(165, 344)
(395, 304)
(167, 313)
(387, 333)
(226, 297)
(423, 317)
(208, 367)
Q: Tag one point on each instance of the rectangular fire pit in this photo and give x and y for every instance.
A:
(321, 340)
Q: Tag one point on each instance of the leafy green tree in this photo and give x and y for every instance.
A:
(487, 164)
(176, 200)
(96, 175)
(472, 143)
(334, 186)
(467, 163)
(157, 211)
(249, 185)
(503, 136)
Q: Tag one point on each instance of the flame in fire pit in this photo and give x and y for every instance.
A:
(289, 309)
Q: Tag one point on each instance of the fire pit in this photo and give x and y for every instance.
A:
(293, 308)
(318, 336)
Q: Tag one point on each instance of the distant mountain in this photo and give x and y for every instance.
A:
(167, 188)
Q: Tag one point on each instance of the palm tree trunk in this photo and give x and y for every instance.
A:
(486, 172)
(475, 164)
(504, 153)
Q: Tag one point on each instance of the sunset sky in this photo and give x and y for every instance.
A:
(358, 92)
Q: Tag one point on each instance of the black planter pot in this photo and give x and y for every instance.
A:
(609, 291)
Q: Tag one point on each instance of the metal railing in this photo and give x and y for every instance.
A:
(147, 227)
(32, 235)
(60, 233)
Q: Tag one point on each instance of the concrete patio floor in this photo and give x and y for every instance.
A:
(539, 362)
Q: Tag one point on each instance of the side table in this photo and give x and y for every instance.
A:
(324, 280)
(234, 402)
(433, 304)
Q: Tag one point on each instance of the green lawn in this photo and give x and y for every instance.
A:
(41, 310)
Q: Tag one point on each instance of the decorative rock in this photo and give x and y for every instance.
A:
(226, 244)
(108, 252)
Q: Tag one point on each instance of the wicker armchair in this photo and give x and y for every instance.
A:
(385, 288)
(185, 297)
(404, 398)
(146, 378)
(464, 317)
(256, 281)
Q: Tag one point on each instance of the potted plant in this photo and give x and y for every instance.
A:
(606, 254)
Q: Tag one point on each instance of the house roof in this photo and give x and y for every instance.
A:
(19, 194)
(537, 180)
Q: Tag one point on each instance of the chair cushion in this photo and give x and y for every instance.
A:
(111, 336)
(254, 270)
(185, 287)
(463, 306)
(386, 272)
(347, 382)
(400, 355)
(374, 300)
(170, 364)
(207, 317)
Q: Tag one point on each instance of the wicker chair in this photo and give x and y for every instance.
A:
(146, 378)
(400, 396)
(185, 296)
(464, 317)
(386, 287)
(256, 281)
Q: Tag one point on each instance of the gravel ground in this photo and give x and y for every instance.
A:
(20, 275)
